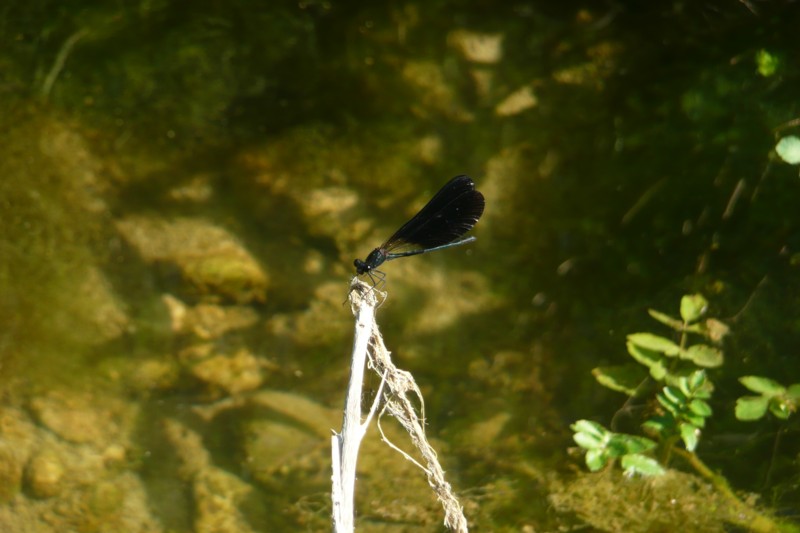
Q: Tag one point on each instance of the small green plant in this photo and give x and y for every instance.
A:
(666, 360)
(682, 400)
(681, 407)
(788, 149)
(779, 400)
(767, 64)
(685, 410)
(603, 446)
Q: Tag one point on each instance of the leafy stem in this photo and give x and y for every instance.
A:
(681, 404)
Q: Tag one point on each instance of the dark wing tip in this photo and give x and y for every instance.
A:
(452, 211)
(464, 180)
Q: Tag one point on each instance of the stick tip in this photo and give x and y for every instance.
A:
(361, 294)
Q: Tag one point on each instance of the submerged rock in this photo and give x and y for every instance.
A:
(44, 474)
(154, 373)
(10, 471)
(234, 373)
(216, 493)
(486, 48)
(106, 310)
(212, 261)
(84, 417)
(208, 321)
(71, 467)
(435, 95)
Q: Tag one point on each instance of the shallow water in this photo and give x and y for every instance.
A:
(184, 192)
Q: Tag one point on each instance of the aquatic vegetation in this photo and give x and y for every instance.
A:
(680, 405)
(781, 401)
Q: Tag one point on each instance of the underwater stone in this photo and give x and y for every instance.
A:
(44, 474)
(213, 263)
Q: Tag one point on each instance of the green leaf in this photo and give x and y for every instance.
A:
(690, 435)
(635, 463)
(658, 371)
(660, 425)
(695, 385)
(693, 419)
(693, 306)
(596, 459)
(636, 444)
(685, 388)
(780, 409)
(642, 355)
(696, 380)
(751, 407)
(675, 396)
(788, 149)
(665, 319)
(622, 378)
(766, 386)
(668, 404)
(592, 428)
(587, 440)
(766, 64)
(617, 446)
(704, 393)
(793, 392)
(655, 343)
(698, 327)
(703, 355)
(700, 408)
(676, 375)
